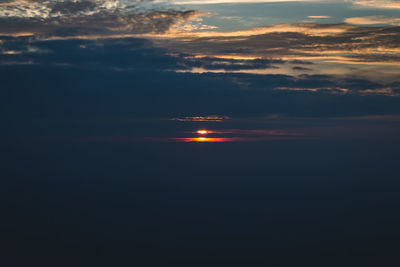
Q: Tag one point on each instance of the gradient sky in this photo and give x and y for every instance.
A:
(200, 133)
(343, 53)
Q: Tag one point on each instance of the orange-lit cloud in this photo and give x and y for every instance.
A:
(372, 20)
(207, 139)
(377, 3)
(309, 29)
(340, 49)
(319, 17)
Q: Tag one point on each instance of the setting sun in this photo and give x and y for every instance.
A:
(202, 132)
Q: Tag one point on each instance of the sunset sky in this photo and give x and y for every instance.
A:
(200, 132)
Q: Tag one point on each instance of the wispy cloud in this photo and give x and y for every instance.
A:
(377, 3)
(319, 17)
(373, 20)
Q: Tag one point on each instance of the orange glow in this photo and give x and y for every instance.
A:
(202, 132)
(206, 139)
(278, 28)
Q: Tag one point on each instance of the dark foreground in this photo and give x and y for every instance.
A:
(272, 203)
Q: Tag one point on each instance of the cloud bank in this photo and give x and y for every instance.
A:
(86, 18)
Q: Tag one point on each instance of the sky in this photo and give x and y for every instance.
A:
(200, 132)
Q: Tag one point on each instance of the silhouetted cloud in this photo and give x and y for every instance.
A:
(228, 64)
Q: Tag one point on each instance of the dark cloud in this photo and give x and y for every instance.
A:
(127, 54)
(86, 18)
(301, 68)
(210, 63)
(300, 62)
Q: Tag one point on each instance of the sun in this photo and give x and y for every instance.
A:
(202, 132)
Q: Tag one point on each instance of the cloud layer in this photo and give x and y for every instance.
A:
(340, 49)
(86, 17)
